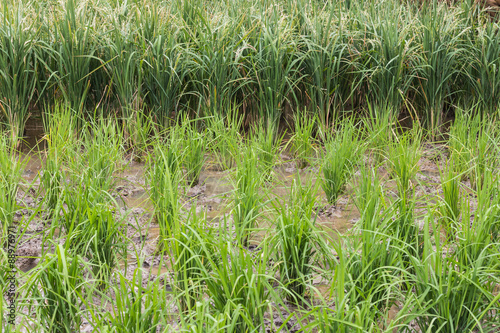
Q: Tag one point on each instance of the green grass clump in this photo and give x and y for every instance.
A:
(247, 197)
(11, 169)
(343, 151)
(135, 308)
(57, 286)
(267, 144)
(303, 140)
(193, 153)
(301, 247)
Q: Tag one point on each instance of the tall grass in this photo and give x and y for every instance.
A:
(19, 68)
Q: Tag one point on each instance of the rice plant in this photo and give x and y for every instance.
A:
(343, 151)
(454, 299)
(240, 287)
(267, 142)
(301, 247)
(59, 129)
(303, 139)
(403, 156)
(190, 246)
(163, 177)
(193, 155)
(57, 286)
(12, 167)
(450, 205)
(247, 197)
(19, 69)
(135, 307)
(225, 137)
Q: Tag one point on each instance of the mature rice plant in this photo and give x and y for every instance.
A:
(18, 68)
(11, 170)
(301, 247)
(303, 139)
(136, 308)
(343, 151)
(247, 197)
(437, 63)
(57, 286)
(72, 51)
(326, 67)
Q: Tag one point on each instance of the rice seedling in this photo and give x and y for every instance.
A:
(102, 240)
(247, 197)
(303, 140)
(225, 137)
(450, 205)
(135, 307)
(267, 143)
(163, 177)
(403, 155)
(11, 169)
(190, 245)
(57, 286)
(453, 299)
(301, 247)
(343, 151)
(59, 129)
(240, 287)
(193, 155)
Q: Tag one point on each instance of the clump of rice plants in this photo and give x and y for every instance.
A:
(454, 298)
(240, 286)
(343, 151)
(267, 144)
(59, 129)
(58, 286)
(193, 154)
(302, 140)
(225, 138)
(163, 177)
(378, 126)
(403, 155)
(11, 169)
(450, 205)
(135, 308)
(247, 197)
(190, 245)
(300, 245)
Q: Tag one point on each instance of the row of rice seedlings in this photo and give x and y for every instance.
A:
(343, 151)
